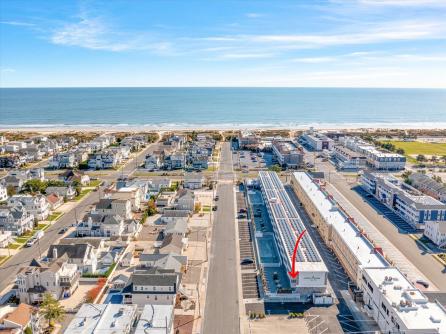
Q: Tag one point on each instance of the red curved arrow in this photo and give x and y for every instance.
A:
(294, 273)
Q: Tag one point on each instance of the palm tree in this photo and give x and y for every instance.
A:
(51, 309)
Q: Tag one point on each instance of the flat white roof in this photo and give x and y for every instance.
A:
(102, 318)
(353, 239)
(288, 224)
(409, 303)
(154, 319)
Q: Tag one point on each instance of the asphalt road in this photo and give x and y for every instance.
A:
(430, 267)
(221, 314)
(9, 270)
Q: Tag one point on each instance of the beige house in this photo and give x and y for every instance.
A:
(110, 206)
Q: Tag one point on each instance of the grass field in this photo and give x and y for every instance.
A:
(54, 216)
(414, 148)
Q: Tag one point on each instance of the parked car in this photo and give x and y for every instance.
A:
(30, 242)
(241, 215)
(63, 230)
(39, 234)
(423, 283)
(246, 260)
(216, 198)
(214, 208)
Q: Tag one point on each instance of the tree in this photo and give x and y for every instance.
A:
(197, 207)
(400, 151)
(443, 158)
(151, 207)
(34, 186)
(434, 158)
(275, 168)
(51, 309)
(421, 157)
(10, 190)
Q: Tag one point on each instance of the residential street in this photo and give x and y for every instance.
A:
(221, 313)
(25, 255)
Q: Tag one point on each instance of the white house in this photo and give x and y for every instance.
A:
(3, 193)
(436, 232)
(193, 181)
(16, 219)
(5, 238)
(37, 205)
(83, 255)
(109, 206)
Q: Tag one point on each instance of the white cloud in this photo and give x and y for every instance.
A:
(18, 23)
(315, 60)
(404, 3)
(94, 34)
(254, 15)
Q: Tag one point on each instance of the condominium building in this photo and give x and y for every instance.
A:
(376, 159)
(339, 232)
(287, 226)
(57, 277)
(103, 318)
(346, 158)
(397, 306)
(317, 141)
(406, 201)
(287, 153)
(37, 205)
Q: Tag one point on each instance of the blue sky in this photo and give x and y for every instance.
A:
(336, 43)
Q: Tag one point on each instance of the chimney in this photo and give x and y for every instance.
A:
(54, 253)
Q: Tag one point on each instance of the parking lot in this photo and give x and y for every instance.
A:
(402, 226)
(250, 286)
(246, 161)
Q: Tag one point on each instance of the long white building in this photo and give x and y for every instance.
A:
(353, 249)
(287, 226)
(389, 298)
(318, 141)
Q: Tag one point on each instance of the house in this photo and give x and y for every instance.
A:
(100, 225)
(173, 243)
(152, 162)
(120, 281)
(3, 193)
(109, 206)
(12, 161)
(36, 205)
(5, 238)
(151, 286)
(57, 277)
(14, 182)
(63, 160)
(165, 199)
(103, 318)
(81, 254)
(104, 159)
(193, 181)
(70, 176)
(170, 215)
(54, 200)
(175, 262)
(131, 193)
(20, 318)
(185, 200)
(176, 227)
(157, 185)
(16, 219)
(161, 320)
(174, 161)
(67, 192)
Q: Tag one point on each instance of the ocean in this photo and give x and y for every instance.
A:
(221, 108)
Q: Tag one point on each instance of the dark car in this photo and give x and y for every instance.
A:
(216, 198)
(63, 230)
(241, 216)
(214, 208)
(423, 283)
(246, 260)
(242, 210)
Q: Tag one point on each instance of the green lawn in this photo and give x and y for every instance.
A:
(415, 147)
(42, 227)
(54, 216)
(82, 194)
(14, 246)
(206, 208)
(95, 183)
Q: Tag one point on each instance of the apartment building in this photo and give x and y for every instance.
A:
(287, 153)
(436, 232)
(57, 277)
(287, 226)
(376, 159)
(429, 186)
(36, 205)
(346, 158)
(406, 201)
(397, 306)
(317, 141)
(339, 232)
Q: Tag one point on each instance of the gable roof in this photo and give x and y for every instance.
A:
(21, 315)
(77, 251)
